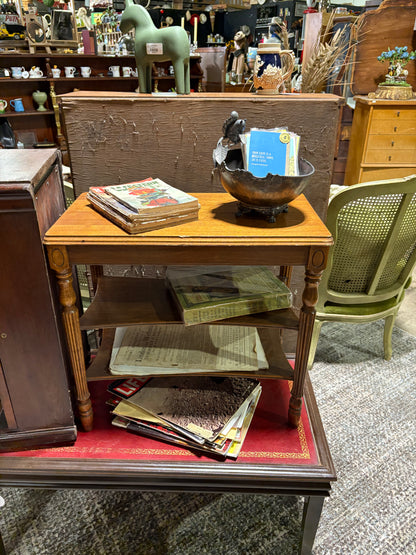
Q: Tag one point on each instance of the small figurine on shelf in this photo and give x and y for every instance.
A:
(239, 66)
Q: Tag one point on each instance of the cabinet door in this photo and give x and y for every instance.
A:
(30, 348)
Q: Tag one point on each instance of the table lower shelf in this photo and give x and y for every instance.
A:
(275, 457)
(279, 366)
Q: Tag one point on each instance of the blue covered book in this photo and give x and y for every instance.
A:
(268, 152)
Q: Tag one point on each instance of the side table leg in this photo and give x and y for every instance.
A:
(59, 262)
(312, 510)
(313, 273)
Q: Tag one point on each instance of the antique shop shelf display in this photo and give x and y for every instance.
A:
(45, 126)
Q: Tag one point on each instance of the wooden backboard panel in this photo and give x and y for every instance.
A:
(386, 27)
(120, 137)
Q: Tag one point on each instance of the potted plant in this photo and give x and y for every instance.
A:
(398, 59)
(395, 85)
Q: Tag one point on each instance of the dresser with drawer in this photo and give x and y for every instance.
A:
(383, 140)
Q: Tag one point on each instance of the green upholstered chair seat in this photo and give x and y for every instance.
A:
(367, 309)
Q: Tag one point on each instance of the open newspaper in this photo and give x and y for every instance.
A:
(171, 349)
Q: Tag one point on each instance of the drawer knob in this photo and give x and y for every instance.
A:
(395, 129)
(392, 143)
(398, 114)
(389, 158)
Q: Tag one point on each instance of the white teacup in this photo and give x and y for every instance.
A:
(127, 72)
(17, 72)
(56, 72)
(85, 71)
(70, 71)
(135, 73)
(115, 70)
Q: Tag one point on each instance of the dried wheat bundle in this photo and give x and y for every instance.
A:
(321, 65)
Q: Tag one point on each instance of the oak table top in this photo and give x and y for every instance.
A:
(81, 227)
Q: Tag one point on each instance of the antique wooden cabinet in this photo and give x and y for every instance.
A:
(35, 404)
(383, 140)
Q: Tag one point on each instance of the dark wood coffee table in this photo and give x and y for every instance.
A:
(285, 452)
(305, 469)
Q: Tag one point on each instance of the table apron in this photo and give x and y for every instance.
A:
(288, 255)
(277, 488)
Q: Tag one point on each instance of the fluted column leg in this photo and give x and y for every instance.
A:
(285, 274)
(59, 262)
(313, 272)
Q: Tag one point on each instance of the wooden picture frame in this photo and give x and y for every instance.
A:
(63, 27)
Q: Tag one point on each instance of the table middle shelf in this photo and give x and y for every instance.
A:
(125, 301)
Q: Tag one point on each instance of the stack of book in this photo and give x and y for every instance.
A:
(144, 205)
(202, 413)
(272, 151)
(209, 293)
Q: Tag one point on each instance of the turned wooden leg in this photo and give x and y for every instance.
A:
(313, 273)
(96, 273)
(2, 548)
(59, 262)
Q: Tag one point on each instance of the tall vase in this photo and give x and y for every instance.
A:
(40, 98)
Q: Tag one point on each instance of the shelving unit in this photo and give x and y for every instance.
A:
(46, 126)
(128, 301)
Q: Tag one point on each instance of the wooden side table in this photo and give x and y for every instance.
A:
(82, 236)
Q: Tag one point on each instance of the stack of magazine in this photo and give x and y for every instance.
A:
(144, 205)
(272, 151)
(202, 413)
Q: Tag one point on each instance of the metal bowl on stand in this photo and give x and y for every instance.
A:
(266, 196)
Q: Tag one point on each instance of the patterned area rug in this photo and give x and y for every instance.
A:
(368, 410)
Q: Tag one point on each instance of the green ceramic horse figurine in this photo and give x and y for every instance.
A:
(157, 45)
